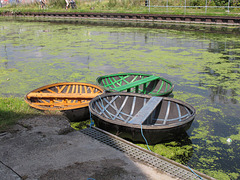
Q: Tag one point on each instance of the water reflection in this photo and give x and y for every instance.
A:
(155, 25)
(221, 95)
(223, 72)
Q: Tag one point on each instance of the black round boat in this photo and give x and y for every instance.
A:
(135, 116)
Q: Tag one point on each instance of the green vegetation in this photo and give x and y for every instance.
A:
(132, 6)
(179, 151)
(12, 109)
(196, 2)
(80, 125)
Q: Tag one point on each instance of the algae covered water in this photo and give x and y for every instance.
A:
(203, 65)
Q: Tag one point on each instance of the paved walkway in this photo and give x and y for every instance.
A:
(47, 148)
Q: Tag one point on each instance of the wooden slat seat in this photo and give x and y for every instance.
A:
(63, 95)
(136, 83)
(146, 110)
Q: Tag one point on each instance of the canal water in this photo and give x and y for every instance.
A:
(203, 62)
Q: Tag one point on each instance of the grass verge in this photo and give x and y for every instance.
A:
(12, 109)
(113, 6)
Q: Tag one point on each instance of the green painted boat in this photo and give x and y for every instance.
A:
(136, 83)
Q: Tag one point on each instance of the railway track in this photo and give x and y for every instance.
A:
(227, 20)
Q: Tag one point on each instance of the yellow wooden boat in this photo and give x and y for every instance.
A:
(66, 96)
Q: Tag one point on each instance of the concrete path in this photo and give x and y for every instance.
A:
(46, 147)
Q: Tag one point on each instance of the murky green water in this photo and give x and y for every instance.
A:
(204, 66)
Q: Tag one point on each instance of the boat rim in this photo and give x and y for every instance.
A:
(67, 83)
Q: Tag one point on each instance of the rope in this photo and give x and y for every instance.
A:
(145, 138)
(92, 122)
(195, 173)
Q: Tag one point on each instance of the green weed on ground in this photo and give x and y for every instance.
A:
(122, 6)
(12, 109)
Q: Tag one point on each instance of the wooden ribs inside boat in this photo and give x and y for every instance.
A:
(63, 96)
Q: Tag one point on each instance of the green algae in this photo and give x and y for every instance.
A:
(114, 56)
(203, 66)
(235, 136)
(214, 146)
(175, 150)
(80, 125)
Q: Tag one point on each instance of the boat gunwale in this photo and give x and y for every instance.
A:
(138, 126)
(66, 83)
(142, 74)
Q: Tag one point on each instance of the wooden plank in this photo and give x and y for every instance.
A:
(85, 88)
(62, 89)
(146, 111)
(76, 88)
(73, 88)
(63, 95)
(69, 86)
(80, 87)
(57, 104)
(51, 91)
(136, 83)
